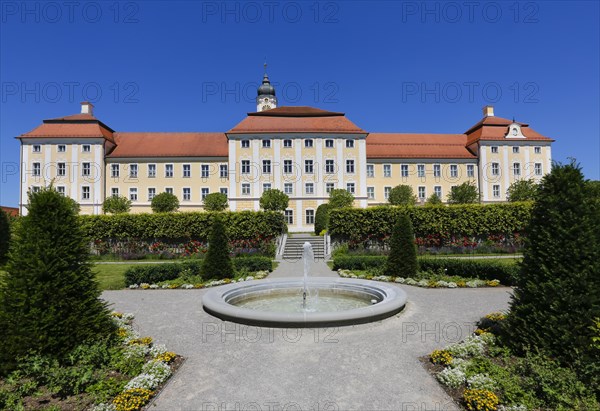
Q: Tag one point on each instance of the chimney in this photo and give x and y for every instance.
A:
(488, 111)
(87, 108)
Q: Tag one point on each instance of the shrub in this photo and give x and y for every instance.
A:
(116, 205)
(402, 195)
(558, 290)
(274, 200)
(217, 263)
(252, 263)
(156, 273)
(4, 236)
(215, 202)
(49, 298)
(321, 218)
(522, 190)
(465, 193)
(433, 200)
(340, 198)
(358, 262)
(402, 260)
(164, 203)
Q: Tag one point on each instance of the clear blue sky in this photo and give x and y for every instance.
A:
(390, 66)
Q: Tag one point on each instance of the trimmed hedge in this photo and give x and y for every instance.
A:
(359, 224)
(462, 267)
(169, 271)
(195, 225)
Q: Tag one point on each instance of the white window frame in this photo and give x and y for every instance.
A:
(351, 187)
(537, 150)
(515, 150)
(223, 171)
(151, 193)
(245, 166)
(470, 170)
(186, 192)
(329, 166)
(309, 188)
(86, 148)
(494, 149)
(204, 191)
(61, 148)
(516, 167)
(349, 143)
(245, 143)
(115, 170)
(246, 190)
(133, 170)
(437, 190)
(288, 166)
(329, 143)
(61, 169)
(37, 169)
(289, 216)
(169, 190)
(422, 192)
(86, 193)
(61, 190)
(204, 170)
(169, 170)
(495, 169)
(387, 170)
(421, 170)
(538, 169)
(309, 216)
(496, 190)
(309, 167)
(114, 192)
(453, 170)
(437, 170)
(386, 192)
(266, 143)
(370, 170)
(224, 190)
(288, 188)
(404, 170)
(37, 148)
(186, 170)
(151, 170)
(371, 193)
(266, 166)
(329, 187)
(350, 165)
(309, 143)
(287, 143)
(86, 169)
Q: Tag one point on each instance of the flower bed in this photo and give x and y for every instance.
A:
(423, 282)
(259, 275)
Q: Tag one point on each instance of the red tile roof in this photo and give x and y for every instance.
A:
(75, 126)
(495, 128)
(296, 120)
(131, 145)
(11, 211)
(397, 145)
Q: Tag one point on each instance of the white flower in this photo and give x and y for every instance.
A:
(411, 281)
(132, 286)
(518, 407)
(423, 283)
(460, 363)
(249, 278)
(165, 286)
(400, 280)
(475, 283)
(145, 381)
(187, 286)
(104, 407)
(135, 350)
(442, 283)
(157, 349)
(470, 347)
(158, 369)
(154, 286)
(482, 382)
(451, 377)
(452, 284)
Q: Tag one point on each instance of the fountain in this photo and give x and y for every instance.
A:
(303, 301)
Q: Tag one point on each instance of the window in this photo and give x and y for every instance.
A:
(538, 169)
(223, 190)
(437, 170)
(310, 216)
(308, 166)
(438, 191)
(245, 166)
(245, 143)
(287, 166)
(266, 143)
(350, 166)
(516, 169)
(288, 188)
(37, 148)
(349, 143)
(422, 193)
(370, 193)
(61, 190)
(246, 189)
(329, 187)
(187, 194)
(204, 192)
(37, 169)
(289, 216)
(86, 148)
(266, 187)
(495, 169)
(62, 169)
(151, 193)
(537, 150)
(515, 149)
(308, 143)
(151, 170)
(421, 170)
(350, 188)
(35, 189)
(62, 148)
(370, 170)
(114, 192)
(114, 170)
(386, 192)
(404, 170)
(86, 169)
(453, 170)
(494, 149)
(287, 143)
(329, 143)
(266, 167)
(133, 170)
(204, 170)
(223, 171)
(496, 190)
(169, 190)
(309, 188)
(187, 171)
(387, 170)
(470, 170)
(329, 167)
(85, 193)
(168, 170)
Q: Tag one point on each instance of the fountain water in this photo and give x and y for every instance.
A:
(307, 257)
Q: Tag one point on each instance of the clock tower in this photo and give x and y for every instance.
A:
(266, 99)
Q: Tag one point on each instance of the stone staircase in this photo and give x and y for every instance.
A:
(294, 243)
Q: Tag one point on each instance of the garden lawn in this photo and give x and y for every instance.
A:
(112, 276)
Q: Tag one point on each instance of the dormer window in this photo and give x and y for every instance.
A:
(514, 131)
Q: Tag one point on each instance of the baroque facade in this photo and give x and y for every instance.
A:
(302, 151)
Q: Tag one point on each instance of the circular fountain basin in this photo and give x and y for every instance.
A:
(278, 303)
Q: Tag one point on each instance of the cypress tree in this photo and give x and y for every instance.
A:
(402, 259)
(557, 293)
(217, 263)
(49, 299)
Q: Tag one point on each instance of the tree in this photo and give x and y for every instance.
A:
(217, 263)
(433, 200)
(4, 236)
(49, 298)
(557, 292)
(402, 259)
(164, 203)
(522, 190)
(402, 195)
(321, 218)
(465, 193)
(215, 202)
(116, 205)
(593, 186)
(274, 200)
(339, 198)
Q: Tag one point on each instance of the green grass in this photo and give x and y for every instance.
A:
(112, 276)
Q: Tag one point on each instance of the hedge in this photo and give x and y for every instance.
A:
(155, 273)
(194, 225)
(462, 267)
(359, 224)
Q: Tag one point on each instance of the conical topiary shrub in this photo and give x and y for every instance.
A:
(217, 263)
(402, 260)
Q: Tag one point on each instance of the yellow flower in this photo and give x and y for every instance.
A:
(442, 357)
(132, 399)
(480, 400)
(166, 357)
(141, 341)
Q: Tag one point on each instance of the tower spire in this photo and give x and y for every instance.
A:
(266, 99)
